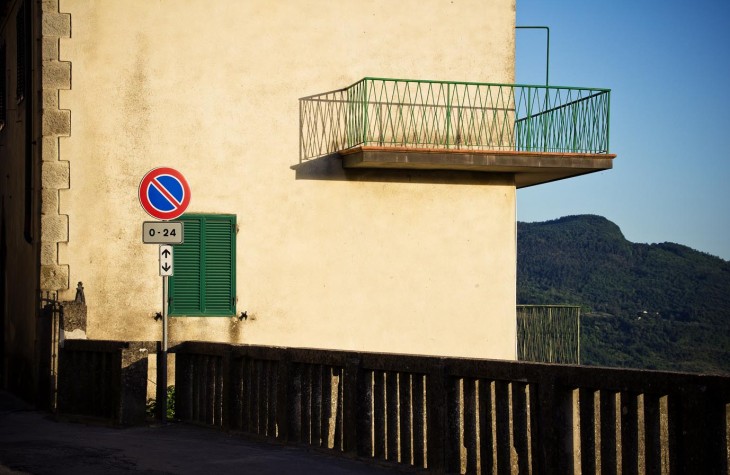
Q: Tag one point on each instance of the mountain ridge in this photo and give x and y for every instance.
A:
(655, 306)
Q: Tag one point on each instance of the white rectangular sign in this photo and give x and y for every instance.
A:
(165, 260)
(162, 232)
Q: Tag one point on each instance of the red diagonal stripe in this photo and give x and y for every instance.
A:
(165, 193)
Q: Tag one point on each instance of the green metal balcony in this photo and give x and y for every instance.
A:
(537, 133)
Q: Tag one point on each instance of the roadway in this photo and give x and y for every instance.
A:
(35, 442)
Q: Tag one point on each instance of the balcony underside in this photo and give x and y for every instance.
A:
(529, 168)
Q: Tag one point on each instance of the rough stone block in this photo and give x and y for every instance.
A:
(49, 5)
(49, 99)
(56, 122)
(49, 253)
(56, 24)
(54, 277)
(49, 148)
(55, 175)
(54, 228)
(49, 201)
(56, 74)
(49, 49)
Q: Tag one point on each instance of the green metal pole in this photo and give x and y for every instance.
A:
(575, 128)
(365, 112)
(578, 318)
(448, 113)
(546, 121)
(162, 359)
(529, 119)
(608, 121)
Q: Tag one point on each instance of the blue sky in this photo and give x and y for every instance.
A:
(668, 66)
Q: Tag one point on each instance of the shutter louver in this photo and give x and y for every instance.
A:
(218, 294)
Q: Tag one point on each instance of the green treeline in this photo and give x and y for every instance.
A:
(654, 306)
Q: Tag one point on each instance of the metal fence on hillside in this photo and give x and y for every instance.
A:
(548, 333)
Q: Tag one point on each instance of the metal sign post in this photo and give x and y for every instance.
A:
(166, 270)
(162, 359)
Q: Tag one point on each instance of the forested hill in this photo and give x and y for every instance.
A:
(658, 306)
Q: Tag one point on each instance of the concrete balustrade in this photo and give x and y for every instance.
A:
(460, 415)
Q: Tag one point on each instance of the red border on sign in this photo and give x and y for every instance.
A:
(145, 202)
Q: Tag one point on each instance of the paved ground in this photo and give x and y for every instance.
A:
(33, 442)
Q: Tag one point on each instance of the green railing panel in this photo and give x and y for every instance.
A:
(548, 333)
(454, 115)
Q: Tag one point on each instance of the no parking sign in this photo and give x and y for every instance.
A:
(164, 193)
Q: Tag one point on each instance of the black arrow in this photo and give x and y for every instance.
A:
(166, 253)
(166, 268)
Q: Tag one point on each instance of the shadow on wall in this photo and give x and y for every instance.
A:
(329, 168)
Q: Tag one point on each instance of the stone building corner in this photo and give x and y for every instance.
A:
(55, 123)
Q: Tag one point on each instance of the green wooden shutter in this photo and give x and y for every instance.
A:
(204, 279)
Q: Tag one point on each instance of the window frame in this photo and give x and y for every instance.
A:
(204, 252)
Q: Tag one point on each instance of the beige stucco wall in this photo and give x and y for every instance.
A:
(210, 88)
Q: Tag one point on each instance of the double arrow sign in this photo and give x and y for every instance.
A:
(165, 260)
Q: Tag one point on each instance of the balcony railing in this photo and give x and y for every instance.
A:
(455, 116)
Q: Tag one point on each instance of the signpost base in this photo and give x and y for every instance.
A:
(162, 361)
(161, 393)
